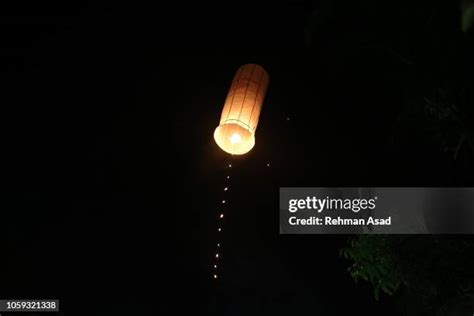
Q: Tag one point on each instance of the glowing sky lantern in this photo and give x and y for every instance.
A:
(236, 131)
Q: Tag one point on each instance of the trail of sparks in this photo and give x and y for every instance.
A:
(221, 213)
(221, 210)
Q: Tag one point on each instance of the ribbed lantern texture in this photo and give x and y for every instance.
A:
(236, 131)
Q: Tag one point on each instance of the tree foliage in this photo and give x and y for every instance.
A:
(467, 15)
(437, 270)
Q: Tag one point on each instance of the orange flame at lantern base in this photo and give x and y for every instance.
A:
(234, 139)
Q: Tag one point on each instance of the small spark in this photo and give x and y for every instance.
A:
(226, 188)
(228, 177)
(230, 165)
(221, 216)
(215, 276)
(223, 201)
(215, 266)
(268, 164)
(219, 229)
(218, 245)
(217, 255)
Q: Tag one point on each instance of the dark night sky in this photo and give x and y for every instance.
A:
(113, 176)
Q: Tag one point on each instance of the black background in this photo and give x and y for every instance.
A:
(112, 176)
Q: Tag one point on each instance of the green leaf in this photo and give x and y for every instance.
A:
(467, 18)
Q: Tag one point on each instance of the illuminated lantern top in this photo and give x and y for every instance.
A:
(236, 131)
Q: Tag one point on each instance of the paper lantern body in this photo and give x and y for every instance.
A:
(236, 131)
